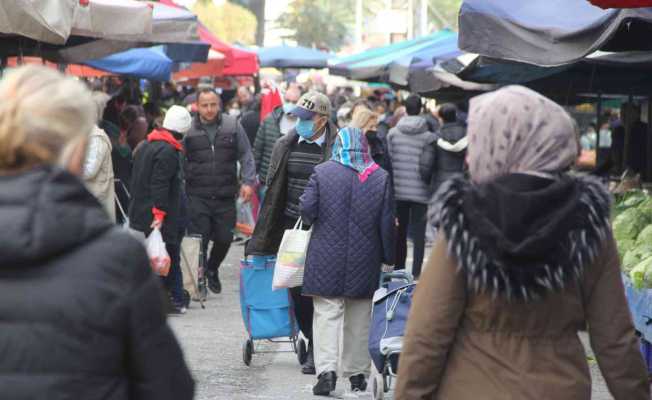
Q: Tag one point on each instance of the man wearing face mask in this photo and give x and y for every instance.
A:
(275, 125)
(293, 160)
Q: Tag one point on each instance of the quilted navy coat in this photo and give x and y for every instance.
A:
(353, 231)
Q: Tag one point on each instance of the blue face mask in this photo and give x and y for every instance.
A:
(305, 128)
(287, 107)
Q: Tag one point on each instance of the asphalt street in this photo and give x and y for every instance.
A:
(212, 340)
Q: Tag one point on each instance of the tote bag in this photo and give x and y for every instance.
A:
(291, 258)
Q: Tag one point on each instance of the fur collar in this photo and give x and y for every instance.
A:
(524, 280)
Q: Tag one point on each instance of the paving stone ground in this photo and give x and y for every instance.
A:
(212, 340)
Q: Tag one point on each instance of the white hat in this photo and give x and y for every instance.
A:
(177, 119)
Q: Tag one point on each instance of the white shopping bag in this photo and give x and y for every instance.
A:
(291, 258)
(159, 259)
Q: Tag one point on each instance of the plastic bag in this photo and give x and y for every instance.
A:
(159, 259)
(244, 226)
(291, 259)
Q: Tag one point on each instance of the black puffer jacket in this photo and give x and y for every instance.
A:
(81, 313)
(156, 182)
(447, 159)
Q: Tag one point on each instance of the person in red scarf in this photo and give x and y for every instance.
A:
(156, 193)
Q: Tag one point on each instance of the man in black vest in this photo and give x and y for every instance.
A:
(213, 147)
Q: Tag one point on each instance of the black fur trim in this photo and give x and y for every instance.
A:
(575, 252)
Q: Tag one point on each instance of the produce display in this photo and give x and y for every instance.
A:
(632, 227)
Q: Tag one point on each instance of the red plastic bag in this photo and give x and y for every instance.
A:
(159, 259)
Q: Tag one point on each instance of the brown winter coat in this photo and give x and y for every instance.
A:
(465, 346)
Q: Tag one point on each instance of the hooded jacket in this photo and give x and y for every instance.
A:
(82, 314)
(444, 158)
(405, 143)
(156, 185)
(523, 264)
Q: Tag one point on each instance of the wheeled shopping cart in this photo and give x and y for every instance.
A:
(267, 314)
(391, 306)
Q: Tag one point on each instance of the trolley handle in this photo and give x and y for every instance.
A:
(386, 277)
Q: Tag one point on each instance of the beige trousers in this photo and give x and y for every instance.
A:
(348, 319)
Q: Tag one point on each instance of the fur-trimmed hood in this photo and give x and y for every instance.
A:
(522, 236)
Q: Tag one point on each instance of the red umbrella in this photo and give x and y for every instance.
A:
(621, 3)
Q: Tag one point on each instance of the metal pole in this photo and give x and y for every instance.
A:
(423, 14)
(627, 121)
(598, 126)
(410, 32)
(358, 23)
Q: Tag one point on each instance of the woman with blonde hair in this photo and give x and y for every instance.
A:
(82, 314)
(367, 121)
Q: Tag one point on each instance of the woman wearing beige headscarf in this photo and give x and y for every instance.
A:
(526, 259)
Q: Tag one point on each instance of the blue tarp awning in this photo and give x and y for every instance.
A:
(292, 57)
(146, 63)
(375, 63)
(550, 32)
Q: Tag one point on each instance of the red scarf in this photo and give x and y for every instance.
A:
(164, 135)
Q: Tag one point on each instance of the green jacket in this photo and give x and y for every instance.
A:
(267, 135)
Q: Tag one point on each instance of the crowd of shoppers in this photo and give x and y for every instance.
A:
(523, 257)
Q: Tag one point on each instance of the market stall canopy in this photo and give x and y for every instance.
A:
(441, 49)
(147, 63)
(97, 18)
(621, 3)
(236, 61)
(620, 73)
(171, 26)
(292, 57)
(550, 32)
(374, 64)
(48, 22)
(212, 67)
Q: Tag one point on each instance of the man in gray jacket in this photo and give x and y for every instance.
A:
(405, 143)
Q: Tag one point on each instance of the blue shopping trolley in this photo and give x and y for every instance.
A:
(267, 314)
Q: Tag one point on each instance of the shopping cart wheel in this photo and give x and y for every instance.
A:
(247, 351)
(302, 352)
(377, 385)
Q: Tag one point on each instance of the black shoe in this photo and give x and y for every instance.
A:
(358, 383)
(325, 384)
(308, 368)
(214, 283)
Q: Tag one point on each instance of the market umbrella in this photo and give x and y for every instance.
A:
(292, 57)
(97, 18)
(146, 63)
(550, 32)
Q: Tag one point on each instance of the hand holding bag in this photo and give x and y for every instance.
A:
(159, 259)
(291, 258)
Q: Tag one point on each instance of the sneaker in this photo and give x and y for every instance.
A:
(177, 310)
(214, 283)
(308, 368)
(358, 383)
(326, 382)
